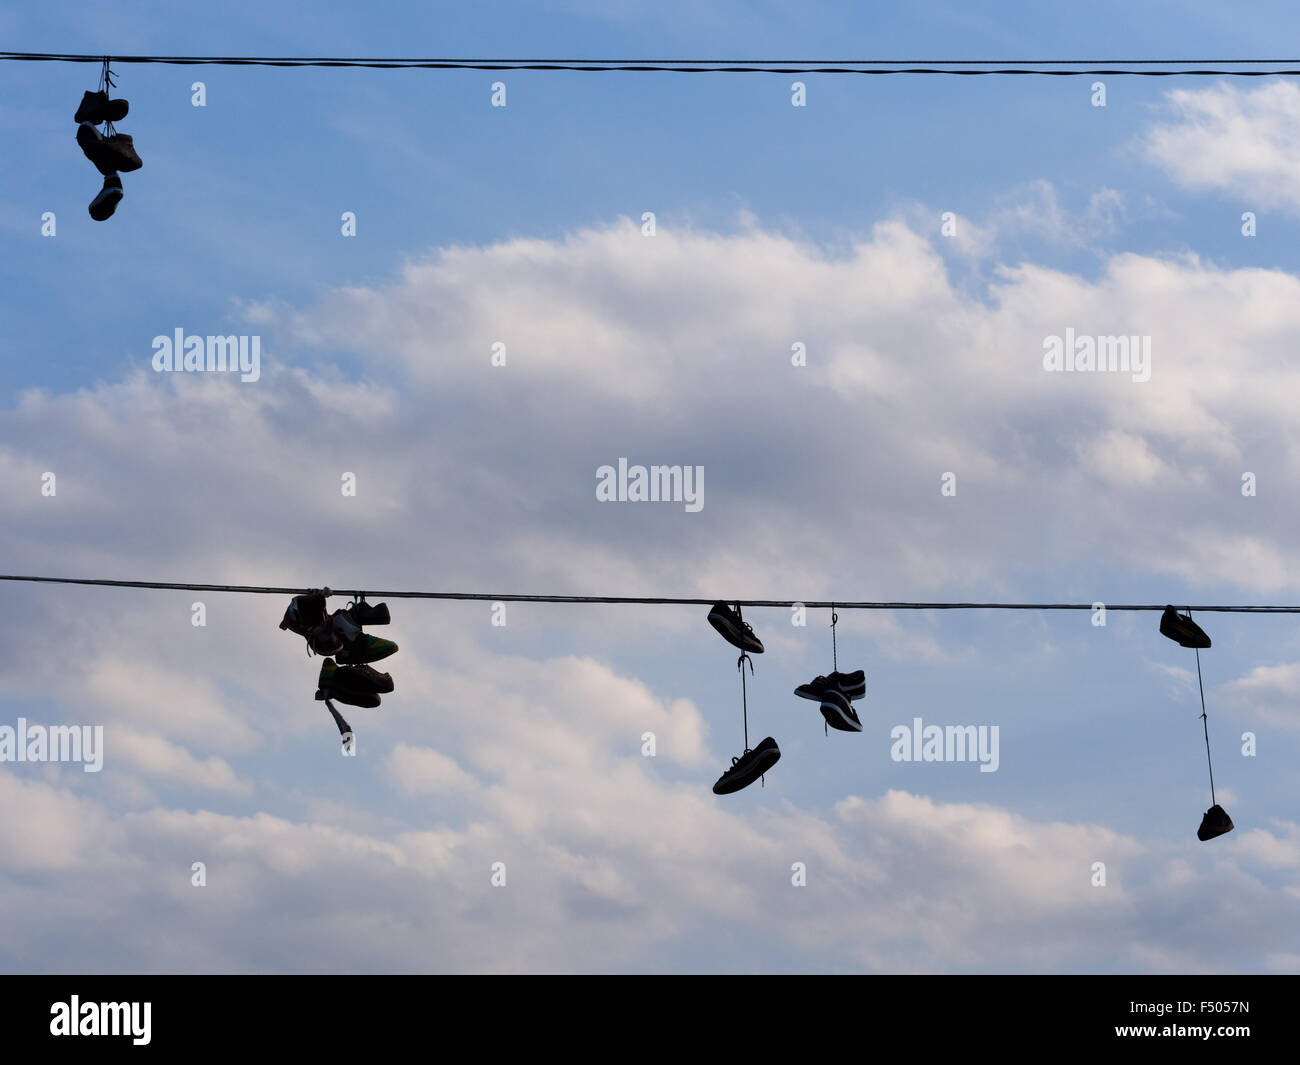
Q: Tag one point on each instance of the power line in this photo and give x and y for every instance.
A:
(1151, 68)
(837, 604)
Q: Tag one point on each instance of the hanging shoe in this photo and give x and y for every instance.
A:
(93, 145)
(105, 203)
(838, 711)
(1182, 629)
(364, 613)
(366, 648)
(734, 629)
(109, 154)
(365, 700)
(305, 613)
(349, 685)
(363, 679)
(854, 684)
(815, 689)
(748, 767)
(1216, 822)
(123, 147)
(96, 108)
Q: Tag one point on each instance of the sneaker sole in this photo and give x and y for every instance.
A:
(837, 719)
(726, 630)
(728, 784)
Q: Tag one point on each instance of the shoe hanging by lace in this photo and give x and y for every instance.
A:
(835, 660)
(1205, 723)
(106, 82)
(744, 701)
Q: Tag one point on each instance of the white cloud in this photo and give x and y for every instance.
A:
(1269, 694)
(424, 771)
(504, 748)
(1243, 142)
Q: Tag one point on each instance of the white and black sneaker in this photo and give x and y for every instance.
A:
(815, 689)
(734, 629)
(854, 684)
(838, 711)
(748, 767)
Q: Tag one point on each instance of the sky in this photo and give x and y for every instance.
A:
(500, 813)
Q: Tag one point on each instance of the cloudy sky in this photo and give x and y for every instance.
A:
(522, 744)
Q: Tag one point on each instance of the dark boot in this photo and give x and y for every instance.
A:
(96, 108)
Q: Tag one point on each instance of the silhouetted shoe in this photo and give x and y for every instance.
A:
(748, 767)
(1216, 822)
(733, 629)
(363, 699)
(363, 679)
(305, 614)
(123, 146)
(109, 154)
(838, 711)
(1182, 629)
(854, 684)
(96, 108)
(348, 684)
(366, 648)
(815, 689)
(370, 614)
(105, 203)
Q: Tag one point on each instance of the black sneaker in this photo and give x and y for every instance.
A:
(854, 684)
(734, 630)
(364, 679)
(105, 203)
(96, 108)
(364, 699)
(1216, 822)
(1182, 629)
(364, 613)
(748, 767)
(814, 689)
(838, 711)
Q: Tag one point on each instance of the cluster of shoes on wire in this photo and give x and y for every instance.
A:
(1186, 633)
(835, 692)
(346, 675)
(112, 153)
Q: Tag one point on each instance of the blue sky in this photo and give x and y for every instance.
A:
(521, 744)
